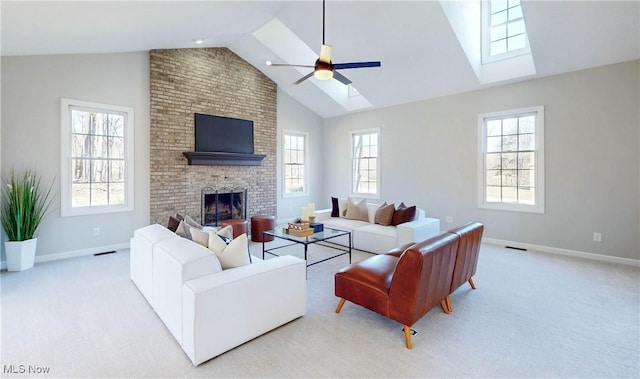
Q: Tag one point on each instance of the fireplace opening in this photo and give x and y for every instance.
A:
(220, 205)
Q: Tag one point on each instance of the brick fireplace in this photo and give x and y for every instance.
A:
(212, 81)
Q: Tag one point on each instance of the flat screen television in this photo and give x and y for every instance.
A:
(223, 134)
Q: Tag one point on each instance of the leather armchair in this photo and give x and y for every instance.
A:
(466, 258)
(401, 286)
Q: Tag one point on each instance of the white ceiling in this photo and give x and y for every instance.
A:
(420, 53)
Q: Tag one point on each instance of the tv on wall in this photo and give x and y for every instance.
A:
(223, 134)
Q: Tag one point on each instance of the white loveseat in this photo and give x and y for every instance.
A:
(379, 239)
(209, 310)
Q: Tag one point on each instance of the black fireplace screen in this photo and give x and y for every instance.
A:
(220, 205)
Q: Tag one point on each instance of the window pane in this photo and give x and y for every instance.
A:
(510, 143)
(494, 128)
(526, 161)
(509, 195)
(116, 125)
(116, 147)
(498, 18)
(527, 124)
(80, 195)
(513, 3)
(510, 178)
(498, 47)
(498, 5)
(494, 161)
(80, 146)
(494, 194)
(516, 27)
(116, 171)
(510, 126)
(99, 194)
(99, 147)
(517, 42)
(526, 196)
(116, 193)
(494, 177)
(525, 178)
(498, 32)
(81, 170)
(494, 144)
(510, 161)
(515, 13)
(527, 141)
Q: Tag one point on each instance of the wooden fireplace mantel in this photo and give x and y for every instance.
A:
(204, 158)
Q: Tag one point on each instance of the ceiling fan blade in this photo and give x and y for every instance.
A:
(325, 54)
(342, 66)
(341, 78)
(289, 65)
(304, 78)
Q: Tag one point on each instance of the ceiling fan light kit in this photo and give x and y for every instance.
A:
(324, 69)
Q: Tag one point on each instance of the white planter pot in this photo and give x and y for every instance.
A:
(20, 254)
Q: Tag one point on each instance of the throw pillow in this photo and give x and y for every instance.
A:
(173, 224)
(179, 216)
(402, 215)
(184, 230)
(235, 254)
(335, 209)
(199, 236)
(401, 205)
(192, 222)
(342, 206)
(357, 211)
(216, 243)
(226, 232)
(384, 214)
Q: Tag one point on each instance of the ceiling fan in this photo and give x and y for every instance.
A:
(324, 69)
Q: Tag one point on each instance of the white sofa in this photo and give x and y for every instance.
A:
(375, 238)
(209, 310)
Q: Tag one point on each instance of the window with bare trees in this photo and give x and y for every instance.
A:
(97, 158)
(511, 163)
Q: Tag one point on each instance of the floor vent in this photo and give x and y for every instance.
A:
(105, 253)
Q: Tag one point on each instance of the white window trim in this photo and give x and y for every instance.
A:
(305, 193)
(485, 34)
(539, 156)
(65, 174)
(351, 173)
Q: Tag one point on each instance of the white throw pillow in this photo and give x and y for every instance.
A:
(199, 236)
(357, 211)
(227, 232)
(235, 254)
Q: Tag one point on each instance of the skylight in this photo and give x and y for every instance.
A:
(503, 30)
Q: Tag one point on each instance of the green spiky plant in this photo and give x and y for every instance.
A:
(24, 203)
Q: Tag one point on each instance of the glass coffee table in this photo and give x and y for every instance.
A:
(320, 238)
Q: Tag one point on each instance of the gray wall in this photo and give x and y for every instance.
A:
(294, 116)
(32, 87)
(429, 158)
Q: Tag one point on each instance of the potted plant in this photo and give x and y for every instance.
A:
(24, 203)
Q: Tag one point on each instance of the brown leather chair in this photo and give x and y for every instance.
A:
(402, 287)
(467, 256)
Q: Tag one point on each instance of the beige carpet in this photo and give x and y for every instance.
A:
(533, 315)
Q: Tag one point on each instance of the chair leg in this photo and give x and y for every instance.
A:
(407, 335)
(449, 306)
(471, 283)
(443, 304)
(339, 307)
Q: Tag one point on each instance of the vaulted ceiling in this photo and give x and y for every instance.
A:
(421, 54)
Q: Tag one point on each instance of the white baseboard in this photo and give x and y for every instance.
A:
(74, 254)
(571, 253)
